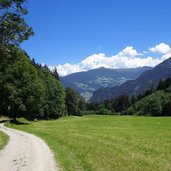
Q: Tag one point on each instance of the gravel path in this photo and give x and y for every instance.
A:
(25, 152)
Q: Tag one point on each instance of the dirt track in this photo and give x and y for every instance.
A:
(25, 152)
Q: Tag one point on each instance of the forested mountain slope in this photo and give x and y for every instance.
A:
(146, 80)
(87, 82)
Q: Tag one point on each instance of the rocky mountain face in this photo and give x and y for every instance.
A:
(147, 79)
(87, 82)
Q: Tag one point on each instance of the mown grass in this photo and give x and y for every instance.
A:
(3, 137)
(3, 140)
(107, 143)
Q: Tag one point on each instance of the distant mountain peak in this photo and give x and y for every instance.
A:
(147, 79)
(89, 81)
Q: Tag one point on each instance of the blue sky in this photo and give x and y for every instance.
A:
(70, 31)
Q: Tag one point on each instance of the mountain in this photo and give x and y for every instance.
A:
(147, 79)
(87, 82)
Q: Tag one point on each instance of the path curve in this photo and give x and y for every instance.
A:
(25, 152)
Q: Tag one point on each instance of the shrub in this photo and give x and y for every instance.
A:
(104, 111)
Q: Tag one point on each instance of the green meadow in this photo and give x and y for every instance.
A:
(106, 143)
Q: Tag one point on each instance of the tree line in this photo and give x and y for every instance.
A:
(28, 89)
(32, 91)
(124, 102)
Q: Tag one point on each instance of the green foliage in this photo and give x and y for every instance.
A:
(88, 112)
(81, 104)
(74, 102)
(164, 84)
(55, 73)
(154, 107)
(71, 101)
(104, 111)
(13, 28)
(20, 86)
(151, 103)
(54, 99)
(26, 88)
(29, 91)
(166, 109)
(156, 104)
(117, 104)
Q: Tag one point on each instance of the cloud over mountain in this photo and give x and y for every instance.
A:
(126, 58)
(162, 48)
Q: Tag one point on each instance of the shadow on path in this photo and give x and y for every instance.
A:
(3, 121)
(18, 122)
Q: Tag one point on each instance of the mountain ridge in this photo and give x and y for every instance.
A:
(87, 82)
(147, 79)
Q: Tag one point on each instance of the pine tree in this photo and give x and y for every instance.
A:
(55, 73)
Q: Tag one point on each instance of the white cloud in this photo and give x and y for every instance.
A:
(129, 51)
(166, 56)
(67, 69)
(162, 48)
(127, 58)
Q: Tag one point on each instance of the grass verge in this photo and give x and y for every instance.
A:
(103, 143)
(3, 140)
(3, 137)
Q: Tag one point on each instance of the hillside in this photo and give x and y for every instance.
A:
(146, 80)
(156, 104)
(87, 82)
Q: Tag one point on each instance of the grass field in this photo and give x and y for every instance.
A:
(107, 143)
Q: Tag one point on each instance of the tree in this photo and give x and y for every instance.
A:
(55, 73)
(20, 87)
(54, 100)
(133, 100)
(31, 92)
(148, 92)
(13, 28)
(13, 31)
(82, 104)
(92, 106)
(121, 103)
(166, 110)
(72, 101)
(29, 89)
(153, 107)
(161, 85)
(164, 84)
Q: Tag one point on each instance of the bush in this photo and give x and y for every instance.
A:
(88, 112)
(104, 111)
(130, 111)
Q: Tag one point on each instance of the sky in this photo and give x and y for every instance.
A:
(79, 35)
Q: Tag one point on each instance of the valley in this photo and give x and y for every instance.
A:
(85, 85)
(148, 79)
(87, 82)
